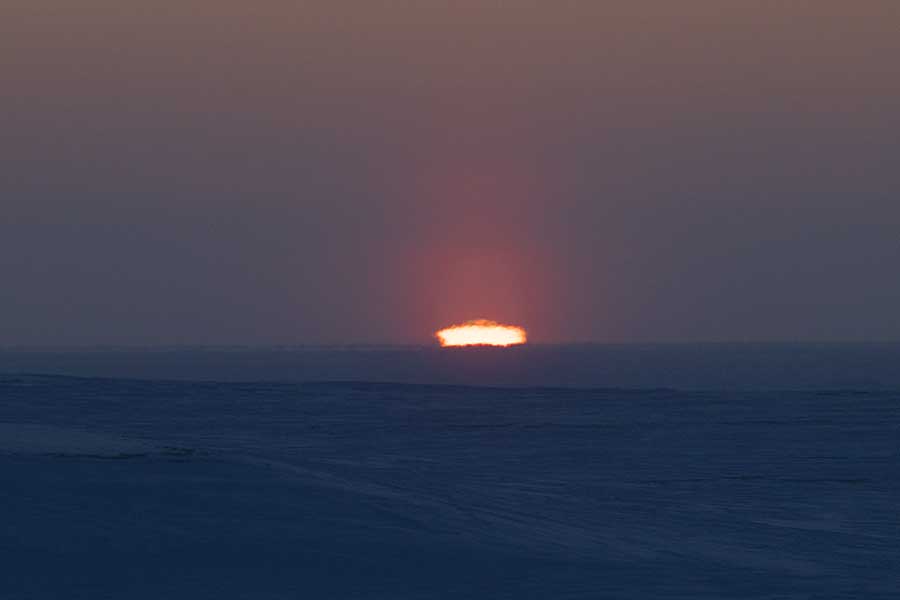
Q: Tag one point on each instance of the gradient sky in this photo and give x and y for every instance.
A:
(283, 172)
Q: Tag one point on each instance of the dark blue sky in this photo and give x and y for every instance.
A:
(270, 172)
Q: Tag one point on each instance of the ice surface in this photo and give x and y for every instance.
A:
(358, 490)
(682, 366)
(25, 438)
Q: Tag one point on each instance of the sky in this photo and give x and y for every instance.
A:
(284, 172)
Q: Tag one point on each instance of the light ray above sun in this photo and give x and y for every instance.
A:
(481, 332)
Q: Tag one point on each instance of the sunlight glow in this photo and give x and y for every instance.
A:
(481, 332)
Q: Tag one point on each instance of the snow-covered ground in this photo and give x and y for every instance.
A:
(152, 489)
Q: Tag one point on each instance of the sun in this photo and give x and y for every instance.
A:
(481, 332)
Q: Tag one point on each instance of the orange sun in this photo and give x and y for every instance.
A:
(481, 332)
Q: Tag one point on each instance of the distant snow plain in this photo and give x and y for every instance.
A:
(171, 488)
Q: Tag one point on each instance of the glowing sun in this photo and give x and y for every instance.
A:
(481, 332)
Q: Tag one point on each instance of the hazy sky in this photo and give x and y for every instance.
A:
(275, 171)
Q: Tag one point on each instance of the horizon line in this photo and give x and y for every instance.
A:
(350, 346)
